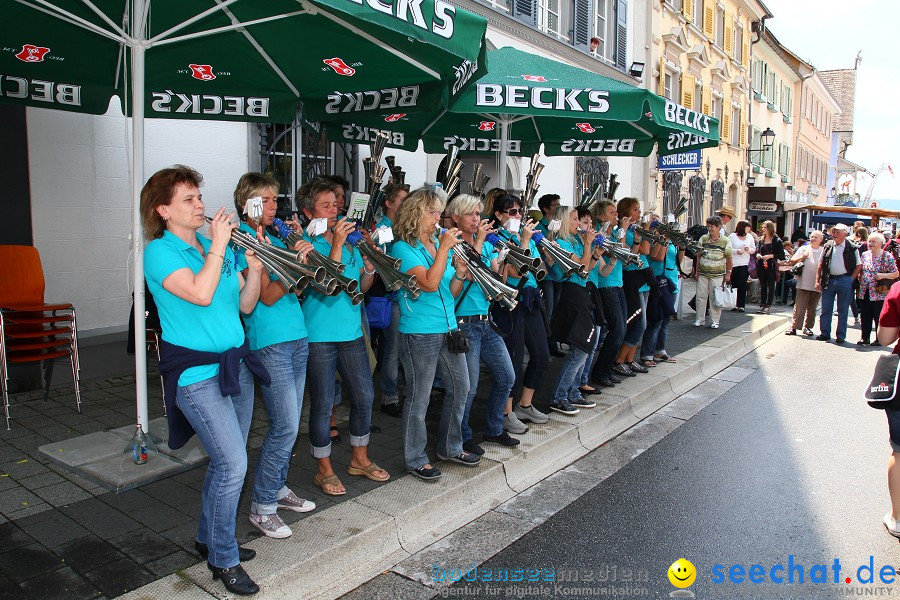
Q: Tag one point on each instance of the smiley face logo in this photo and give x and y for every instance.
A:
(682, 573)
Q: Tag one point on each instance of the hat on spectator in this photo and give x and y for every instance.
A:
(726, 211)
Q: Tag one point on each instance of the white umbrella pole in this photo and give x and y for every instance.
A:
(504, 152)
(137, 235)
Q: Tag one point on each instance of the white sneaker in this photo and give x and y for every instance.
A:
(714, 326)
(512, 424)
(271, 525)
(891, 524)
(698, 323)
(295, 503)
(530, 413)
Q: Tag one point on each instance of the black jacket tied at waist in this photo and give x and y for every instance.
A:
(175, 360)
(573, 318)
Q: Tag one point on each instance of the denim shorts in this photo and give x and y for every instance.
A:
(893, 417)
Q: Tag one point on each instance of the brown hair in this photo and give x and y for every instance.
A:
(250, 185)
(158, 191)
(412, 212)
(493, 193)
(742, 227)
(309, 191)
(392, 189)
(625, 205)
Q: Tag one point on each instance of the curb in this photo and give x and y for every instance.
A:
(344, 546)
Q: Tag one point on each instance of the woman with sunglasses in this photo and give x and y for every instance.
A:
(527, 320)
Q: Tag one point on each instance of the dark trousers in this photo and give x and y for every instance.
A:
(614, 312)
(766, 283)
(528, 332)
(739, 276)
(870, 311)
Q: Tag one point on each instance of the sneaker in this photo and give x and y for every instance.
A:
(891, 524)
(564, 407)
(427, 473)
(583, 403)
(271, 525)
(512, 424)
(473, 448)
(808, 331)
(637, 367)
(504, 439)
(862, 343)
(295, 503)
(466, 458)
(529, 413)
(392, 409)
(698, 323)
(623, 370)
(823, 338)
(714, 325)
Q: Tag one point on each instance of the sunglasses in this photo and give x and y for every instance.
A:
(513, 212)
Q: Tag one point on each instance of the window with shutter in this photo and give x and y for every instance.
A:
(738, 43)
(735, 127)
(707, 102)
(604, 28)
(743, 138)
(745, 53)
(621, 33)
(720, 27)
(725, 129)
(709, 18)
(581, 31)
(787, 161)
(661, 88)
(687, 90)
(687, 9)
(697, 10)
(526, 11)
(729, 35)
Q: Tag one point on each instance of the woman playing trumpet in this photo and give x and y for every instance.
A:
(199, 294)
(336, 343)
(473, 319)
(277, 333)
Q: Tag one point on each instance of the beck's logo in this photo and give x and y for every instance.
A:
(339, 66)
(585, 127)
(202, 72)
(394, 117)
(539, 78)
(486, 125)
(648, 114)
(31, 53)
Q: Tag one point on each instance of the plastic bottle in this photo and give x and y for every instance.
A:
(139, 446)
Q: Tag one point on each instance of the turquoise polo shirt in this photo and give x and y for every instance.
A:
(281, 322)
(572, 246)
(474, 303)
(213, 328)
(431, 312)
(385, 222)
(668, 266)
(333, 318)
(629, 241)
(552, 274)
(614, 279)
(530, 281)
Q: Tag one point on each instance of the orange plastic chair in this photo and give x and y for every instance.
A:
(30, 330)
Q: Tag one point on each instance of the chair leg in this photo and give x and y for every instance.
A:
(4, 379)
(48, 376)
(75, 377)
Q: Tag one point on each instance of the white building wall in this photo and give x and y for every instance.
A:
(81, 199)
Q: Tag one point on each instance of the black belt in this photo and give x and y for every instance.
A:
(473, 319)
(841, 275)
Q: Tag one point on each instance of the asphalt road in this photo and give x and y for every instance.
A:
(789, 465)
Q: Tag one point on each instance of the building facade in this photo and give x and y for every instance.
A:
(703, 56)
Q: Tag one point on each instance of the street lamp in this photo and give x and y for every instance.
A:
(767, 138)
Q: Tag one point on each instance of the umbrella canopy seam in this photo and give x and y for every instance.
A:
(63, 15)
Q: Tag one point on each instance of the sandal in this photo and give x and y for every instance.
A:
(664, 358)
(335, 439)
(331, 480)
(369, 472)
(647, 362)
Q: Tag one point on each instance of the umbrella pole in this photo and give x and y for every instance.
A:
(504, 152)
(137, 178)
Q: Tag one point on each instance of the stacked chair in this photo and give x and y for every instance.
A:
(30, 330)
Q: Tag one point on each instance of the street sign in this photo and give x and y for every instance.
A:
(763, 206)
(683, 161)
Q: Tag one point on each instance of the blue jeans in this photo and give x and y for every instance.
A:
(614, 311)
(390, 360)
(584, 374)
(654, 341)
(286, 363)
(222, 424)
(485, 346)
(567, 380)
(635, 329)
(842, 287)
(423, 355)
(351, 360)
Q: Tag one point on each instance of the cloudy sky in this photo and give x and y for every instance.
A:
(828, 34)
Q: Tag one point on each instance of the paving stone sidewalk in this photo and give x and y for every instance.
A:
(63, 536)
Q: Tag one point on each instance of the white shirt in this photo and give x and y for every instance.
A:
(743, 259)
(837, 266)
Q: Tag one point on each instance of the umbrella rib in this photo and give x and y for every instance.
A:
(103, 16)
(263, 53)
(376, 41)
(190, 21)
(435, 120)
(156, 41)
(55, 11)
(641, 129)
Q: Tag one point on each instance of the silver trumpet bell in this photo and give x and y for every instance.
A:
(559, 256)
(493, 288)
(388, 269)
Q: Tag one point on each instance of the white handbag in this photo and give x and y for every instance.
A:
(724, 297)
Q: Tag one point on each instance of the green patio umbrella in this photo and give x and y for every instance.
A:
(525, 100)
(242, 60)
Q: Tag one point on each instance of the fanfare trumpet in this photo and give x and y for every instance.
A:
(559, 256)
(451, 177)
(388, 268)
(677, 237)
(285, 264)
(519, 258)
(479, 181)
(618, 251)
(335, 282)
(654, 237)
(531, 184)
(493, 288)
